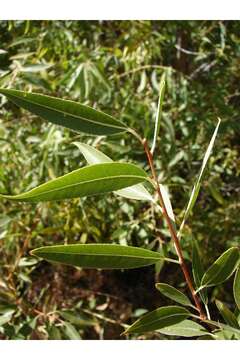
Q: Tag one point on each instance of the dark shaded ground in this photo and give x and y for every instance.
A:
(117, 293)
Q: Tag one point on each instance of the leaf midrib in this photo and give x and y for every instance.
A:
(215, 276)
(69, 114)
(106, 255)
(162, 318)
(73, 185)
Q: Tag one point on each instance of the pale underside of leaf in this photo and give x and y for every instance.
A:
(197, 185)
(159, 112)
(94, 156)
(186, 328)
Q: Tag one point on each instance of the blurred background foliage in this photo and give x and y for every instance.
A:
(114, 66)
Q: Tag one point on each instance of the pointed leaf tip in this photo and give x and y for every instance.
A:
(222, 268)
(90, 180)
(99, 256)
(159, 318)
(173, 294)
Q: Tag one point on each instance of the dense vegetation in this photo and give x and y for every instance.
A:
(115, 67)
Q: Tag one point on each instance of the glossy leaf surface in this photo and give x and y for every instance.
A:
(222, 268)
(101, 256)
(197, 185)
(173, 294)
(69, 114)
(90, 180)
(159, 318)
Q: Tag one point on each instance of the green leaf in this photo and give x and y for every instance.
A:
(198, 271)
(71, 332)
(186, 328)
(80, 320)
(227, 315)
(222, 268)
(159, 112)
(167, 203)
(54, 333)
(90, 180)
(101, 256)
(236, 288)
(70, 114)
(94, 156)
(225, 334)
(174, 294)
(225, 327)
(6, 317)
(159, 318)
(197, 185)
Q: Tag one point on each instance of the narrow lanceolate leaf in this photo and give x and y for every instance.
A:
(167, 203)
(71, 332)
(227, 314)
(186, 328)
(94, 156)
(90, 180)
(236, 288)
(159, 112)
(174, 294)
(197, 185)
(158, 319)
(66, 113)
(198, 271)
(99, 256)
(222, 268)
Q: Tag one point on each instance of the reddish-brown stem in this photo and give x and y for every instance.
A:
(173, 233)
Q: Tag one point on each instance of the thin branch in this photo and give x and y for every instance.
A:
(173, 233)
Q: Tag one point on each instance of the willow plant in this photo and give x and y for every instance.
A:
(103, 175)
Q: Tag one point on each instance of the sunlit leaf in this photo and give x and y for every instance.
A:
(167, 203)
(222, 268)
(159, 112)
(35, 68)
(159, 318)
(70, 114)
(174, 294)
(197, 185)
(90, 180)
(101, 256)
(94, 156)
